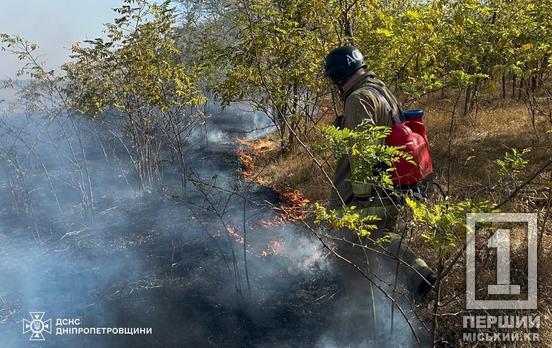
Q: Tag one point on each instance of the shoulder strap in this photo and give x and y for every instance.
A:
(397, 117)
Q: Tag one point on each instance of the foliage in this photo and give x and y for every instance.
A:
(443, 223)
(270, 53)
(349, 217)
(274, 60)
(367, 151)
(136, 71)
(513, 163)
(135, 68)
(133, 76)
(44, 90)
(43, 94)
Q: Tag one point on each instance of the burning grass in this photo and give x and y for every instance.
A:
(294, 203)
(273, 248)
(232, 232)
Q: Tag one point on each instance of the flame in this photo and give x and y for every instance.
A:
(232, 232)
(248, 172)
(257, 146)
(294, 203)
(253, 148)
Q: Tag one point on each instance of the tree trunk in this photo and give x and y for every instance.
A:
(467, 100)
(504, 85)
(521, 86)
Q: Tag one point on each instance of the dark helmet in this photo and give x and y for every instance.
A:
(343, 62)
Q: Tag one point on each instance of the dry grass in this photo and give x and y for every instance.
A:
(478, 141)
(292, 171)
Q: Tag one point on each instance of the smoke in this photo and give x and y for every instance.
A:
(353, 324)
(162, 258)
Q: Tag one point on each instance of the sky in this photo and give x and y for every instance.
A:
(52, 24)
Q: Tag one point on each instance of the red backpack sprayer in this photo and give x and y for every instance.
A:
(411, 136)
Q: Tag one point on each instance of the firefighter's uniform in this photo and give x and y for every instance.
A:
(367, 98)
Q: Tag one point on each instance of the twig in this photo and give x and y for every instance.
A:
(245, 248)
(451, 137)
(523, 184)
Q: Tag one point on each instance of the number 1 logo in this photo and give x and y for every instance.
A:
(500, 240)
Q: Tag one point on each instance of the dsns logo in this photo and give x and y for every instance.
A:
(37, 326)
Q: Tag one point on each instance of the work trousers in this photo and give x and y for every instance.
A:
(378, 255)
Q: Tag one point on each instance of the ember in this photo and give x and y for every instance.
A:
(274, 248)
(294, 203)
(232, 232)
(253, 148)
(215, 234)
(258, 146)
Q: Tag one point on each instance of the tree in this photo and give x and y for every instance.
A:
(271, 59)
(136, 73)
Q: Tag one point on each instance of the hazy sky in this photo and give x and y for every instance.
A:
(52, 24)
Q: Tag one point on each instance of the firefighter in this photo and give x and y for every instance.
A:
(366, 98)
